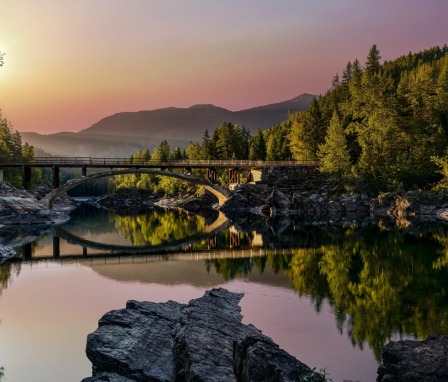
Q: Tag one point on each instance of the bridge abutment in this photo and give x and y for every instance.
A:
(55, 172)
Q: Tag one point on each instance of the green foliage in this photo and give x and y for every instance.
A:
(442, 164)
(277, 142)
(257, 149)
(308, 131)
(158, 227)
(231, 142)
(394, 117)
(11, 149)
(335, 158)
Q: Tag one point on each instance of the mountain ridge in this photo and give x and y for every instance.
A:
(124, 133)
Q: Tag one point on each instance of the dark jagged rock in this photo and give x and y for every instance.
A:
(203, 340)
(415, 361)
(258, 356)
(237, 202)
(199, 203)
(204, 337)
(127, 200)
(108, 377)
(278, 201)
(136, 342)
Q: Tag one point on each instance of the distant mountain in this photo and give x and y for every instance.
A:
(124, 133)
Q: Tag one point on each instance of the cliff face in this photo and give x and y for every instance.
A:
(203, 340)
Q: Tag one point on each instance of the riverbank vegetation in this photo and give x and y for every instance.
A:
(380, 126)
(12, 149)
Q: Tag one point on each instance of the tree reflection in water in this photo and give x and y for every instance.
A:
(378, 283)
(158, 227)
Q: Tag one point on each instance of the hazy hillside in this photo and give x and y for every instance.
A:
(124, 133)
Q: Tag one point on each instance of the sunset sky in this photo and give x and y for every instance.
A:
(70, 63)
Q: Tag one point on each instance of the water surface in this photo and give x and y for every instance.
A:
(331, 295)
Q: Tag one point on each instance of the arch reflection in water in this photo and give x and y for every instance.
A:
(153, 231)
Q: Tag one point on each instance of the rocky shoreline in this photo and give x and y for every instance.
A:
(203, 340)
(415, 361)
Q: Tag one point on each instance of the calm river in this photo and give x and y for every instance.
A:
(331, 295)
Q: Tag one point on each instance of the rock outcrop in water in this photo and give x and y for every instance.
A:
(19, 208)
(203, 340)
(415, 361)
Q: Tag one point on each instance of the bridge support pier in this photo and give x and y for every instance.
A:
(26, 177)
(1, 175)
(212, 242)
(210, 175)
(55, 176)
(84, 170)
(235, 240)
(27, 251)
(234, 175)
(56, 247)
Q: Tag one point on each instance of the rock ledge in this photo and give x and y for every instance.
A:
(415, 361)
(203, 340)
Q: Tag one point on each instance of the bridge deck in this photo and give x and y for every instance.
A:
(139, 163)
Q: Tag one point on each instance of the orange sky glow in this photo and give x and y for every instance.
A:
(68, 64)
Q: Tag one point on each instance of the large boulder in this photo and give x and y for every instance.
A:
(203, 340)
(278, 201)
(415, 361)
(237, 202)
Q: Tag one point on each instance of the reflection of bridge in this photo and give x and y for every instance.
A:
(209, 233)
(234, 167)
(135, 258)
(220, 192)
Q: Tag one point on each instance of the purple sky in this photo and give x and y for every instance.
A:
(70, 63)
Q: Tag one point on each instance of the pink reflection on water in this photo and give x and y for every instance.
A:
(48, 310)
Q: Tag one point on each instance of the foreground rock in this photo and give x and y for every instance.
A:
(203, 340)
(415, 361)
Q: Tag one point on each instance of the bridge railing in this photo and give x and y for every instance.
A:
(89, 161)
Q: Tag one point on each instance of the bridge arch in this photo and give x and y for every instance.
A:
(220, 192)
(220, 223)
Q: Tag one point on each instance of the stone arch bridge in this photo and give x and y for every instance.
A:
(268, 172)
(220, 192)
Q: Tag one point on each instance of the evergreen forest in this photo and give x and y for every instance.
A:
(379, 127)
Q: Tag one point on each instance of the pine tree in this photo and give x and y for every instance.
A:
(207, 146)
(257, 150)
(307, 132)
(334, 155)
(164, 148)
(373, 62)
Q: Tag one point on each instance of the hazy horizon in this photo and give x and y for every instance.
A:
(69, 64)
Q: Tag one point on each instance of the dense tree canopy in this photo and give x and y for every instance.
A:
(381, 126)
(394, 119)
